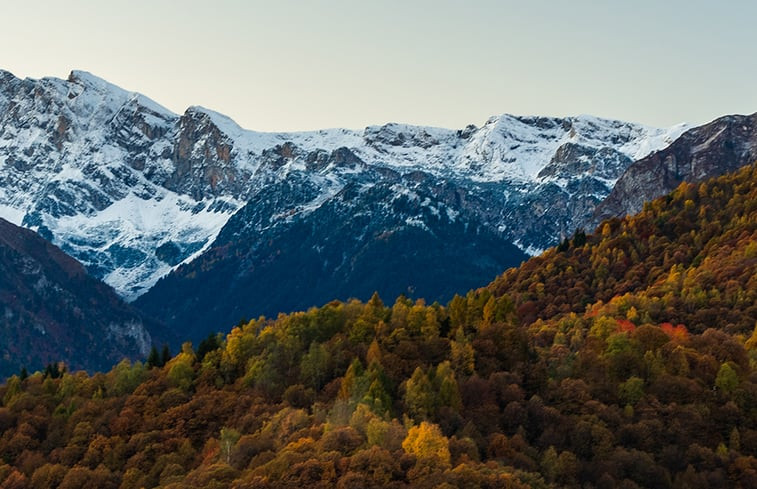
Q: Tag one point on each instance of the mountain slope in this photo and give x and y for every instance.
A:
(703, 152)
(132, 190)
(53, 311)
(399, 236)
(621, 359)
(694, 249)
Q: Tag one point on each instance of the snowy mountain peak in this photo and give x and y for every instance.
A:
(89, 80)
(113, 94)
(224, 123)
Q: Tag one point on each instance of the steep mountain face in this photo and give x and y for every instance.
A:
(703, 152)
(132, 190)
(406, 234)
(52, 310)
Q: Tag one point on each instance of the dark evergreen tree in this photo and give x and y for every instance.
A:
(579, 238)
(564, 245)
(211, 343)
(165, 355)
(53, 371)
(153, 359)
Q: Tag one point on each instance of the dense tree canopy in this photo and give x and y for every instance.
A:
(625, 358)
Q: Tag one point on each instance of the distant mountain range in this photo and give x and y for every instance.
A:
(112, 177)
(242, 223)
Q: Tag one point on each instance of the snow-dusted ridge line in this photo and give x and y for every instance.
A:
(524, 152)
(133, 189)
(87, 79)
(522, 143)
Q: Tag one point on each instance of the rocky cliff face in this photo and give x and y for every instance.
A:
(132, 190)
(701, 153)
(51, 310)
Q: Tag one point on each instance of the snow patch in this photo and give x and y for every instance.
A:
(416, 222)
(138, 226)
(11, 214)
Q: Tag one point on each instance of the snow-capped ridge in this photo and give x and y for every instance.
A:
(92, 82)
(224, 122)
(89, 80)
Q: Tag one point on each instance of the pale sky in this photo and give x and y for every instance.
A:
(292, 65)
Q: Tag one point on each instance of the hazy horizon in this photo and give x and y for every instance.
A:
(291, 66)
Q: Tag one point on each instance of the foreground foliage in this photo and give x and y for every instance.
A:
(621, 359)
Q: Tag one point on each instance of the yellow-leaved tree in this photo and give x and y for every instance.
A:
(428, 444)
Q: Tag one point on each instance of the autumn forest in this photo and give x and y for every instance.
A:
(621, 358)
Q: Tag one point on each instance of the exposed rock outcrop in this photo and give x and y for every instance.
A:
(703, 152)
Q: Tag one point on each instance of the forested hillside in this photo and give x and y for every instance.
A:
(620, 359)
